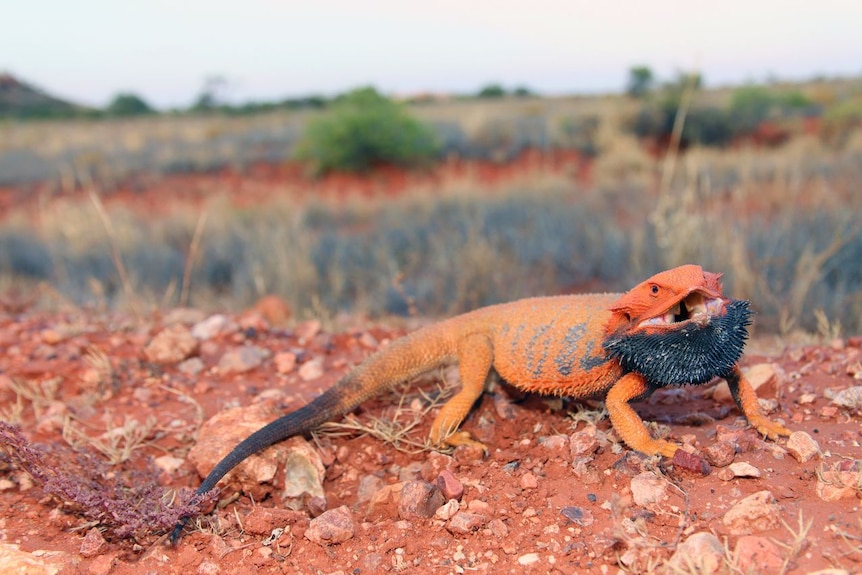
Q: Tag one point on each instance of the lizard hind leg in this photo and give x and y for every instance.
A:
(475, 358)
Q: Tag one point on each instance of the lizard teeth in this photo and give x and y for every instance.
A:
(695, 307)
(659, 319)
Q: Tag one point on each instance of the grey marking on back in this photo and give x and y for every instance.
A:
(537, 368)
(565, 360)
(515, 337)
(540, 364)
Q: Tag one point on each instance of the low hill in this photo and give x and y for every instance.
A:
(19, 99)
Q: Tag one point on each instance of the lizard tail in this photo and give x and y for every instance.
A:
(402, 360)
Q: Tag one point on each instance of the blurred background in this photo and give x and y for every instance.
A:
(396, 158)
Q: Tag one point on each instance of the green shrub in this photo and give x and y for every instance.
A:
(751, 105)
(707, 126)
(641, 81)
(704, 125)
(491, 91)
(127, 104)
(523, 92)
(362, 129)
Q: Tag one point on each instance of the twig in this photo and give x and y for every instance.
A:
(666, 204)
(676, 133)
(193, 250)
(116, 255)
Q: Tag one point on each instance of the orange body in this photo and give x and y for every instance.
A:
(674, 328)
(558, 346)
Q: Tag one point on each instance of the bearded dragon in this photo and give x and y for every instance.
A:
(674, 328)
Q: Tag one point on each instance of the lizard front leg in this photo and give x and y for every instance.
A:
(475, 357)
(745, 397)
(627, 422)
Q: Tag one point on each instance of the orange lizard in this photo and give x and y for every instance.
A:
(675, 328)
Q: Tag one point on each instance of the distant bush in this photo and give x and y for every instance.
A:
(752, 105)
(749, 107)
(127, 104)
(24, 255)
(842, 120)
(312, 102)
(706, 126)
(523, 91)
(641, 81)
(491, 91)
(362, 129)
(580, 133)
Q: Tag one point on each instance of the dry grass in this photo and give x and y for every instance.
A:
(117, 443)
(39, 395)
(798, 541)
(852, 541)
(398, 427)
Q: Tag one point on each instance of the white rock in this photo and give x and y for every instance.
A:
(757, 512)
(648, 488)
(168, 463)
(850, 398)
(242, 359)
(743, 469)
(212, 326)
(311, 370)
(701, 553)
(303, 470)
(13, 560)
(171, 345)
(528, 559)
(802, 446)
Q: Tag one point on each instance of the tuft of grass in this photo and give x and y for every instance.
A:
(586, 415)
(117, 444)
(853, 542)
(798, 541)
(39, 394)
(127, 506)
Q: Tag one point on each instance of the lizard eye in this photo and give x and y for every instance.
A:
(654, 288)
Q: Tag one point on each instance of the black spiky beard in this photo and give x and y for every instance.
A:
(695, 353)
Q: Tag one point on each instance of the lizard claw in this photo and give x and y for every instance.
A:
(463, 438)
(662, 447)
(771, 430)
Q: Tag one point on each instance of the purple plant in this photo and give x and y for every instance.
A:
(130, 509)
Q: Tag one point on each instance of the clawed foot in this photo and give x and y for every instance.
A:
(770, 429)
(463, 438)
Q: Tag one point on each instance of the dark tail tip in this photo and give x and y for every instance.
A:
(178, 531)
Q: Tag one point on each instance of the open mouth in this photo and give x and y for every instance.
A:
(695, 307)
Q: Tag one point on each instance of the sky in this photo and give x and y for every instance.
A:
(90, 50)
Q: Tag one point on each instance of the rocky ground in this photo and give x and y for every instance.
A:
(155, 401)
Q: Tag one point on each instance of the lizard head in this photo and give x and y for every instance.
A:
(682, 294)
(677, 327)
